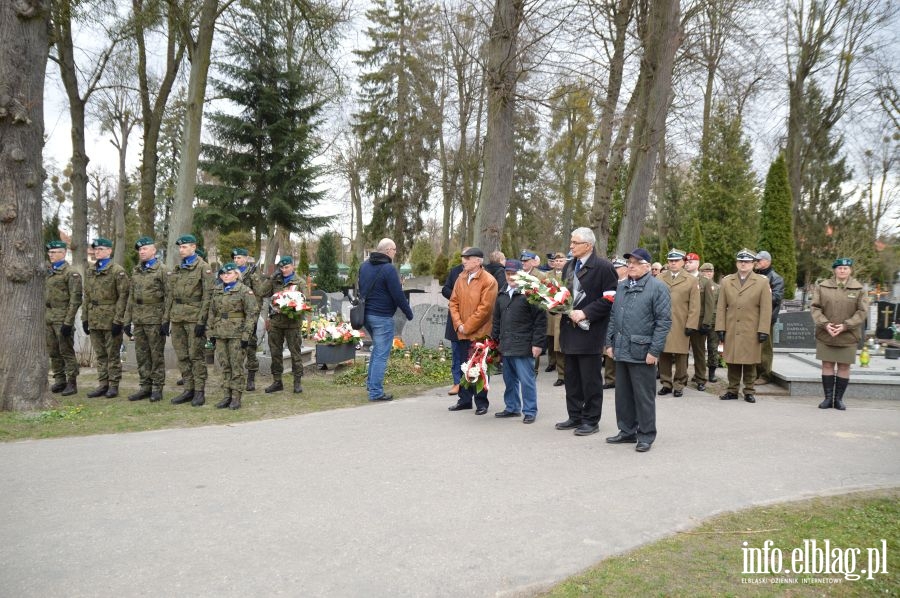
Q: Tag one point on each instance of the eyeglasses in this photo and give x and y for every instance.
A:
(578, 243)
(633, 263)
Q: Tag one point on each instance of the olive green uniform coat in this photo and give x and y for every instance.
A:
(105, 300)
(62, 293)
(707, 323)
(145, 312)
(188, 291)
(282, 329)
(251, 278)
(232, 319)
(684, 292)
(834, 303)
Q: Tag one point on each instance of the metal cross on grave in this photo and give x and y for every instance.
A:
(887, 311)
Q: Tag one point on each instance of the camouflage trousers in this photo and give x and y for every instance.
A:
(191, 354)
(108, 349)
(230, 358)
(61, 349)
(252, 362)
(277, 339)
(149, 350)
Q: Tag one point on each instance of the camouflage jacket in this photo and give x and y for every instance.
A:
(274, 284)
(188, 292)
(147, 299)
(105, 296)
(62, 293)
(233, 313)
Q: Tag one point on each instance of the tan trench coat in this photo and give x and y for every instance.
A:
(846, 305)
(684, 291)
(743, 312)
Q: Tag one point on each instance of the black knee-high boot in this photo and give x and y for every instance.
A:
(828, 385)
(840, 385)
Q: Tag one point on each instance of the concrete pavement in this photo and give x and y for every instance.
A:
(406, 498)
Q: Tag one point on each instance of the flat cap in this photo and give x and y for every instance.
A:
(473, 252)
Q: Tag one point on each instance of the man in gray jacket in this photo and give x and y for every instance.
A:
(638, 325)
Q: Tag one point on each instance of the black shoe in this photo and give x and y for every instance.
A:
(729, 396)
(458, 407)
(642, 447)
(559, 382)
(384, 398)
(275, 386)
(112, 393)
(70, 389)
(98, 392)
(622, 438)
(58, 387)
(665, 390)
(140, 395)
(199, 399)
(550, 368)
(608, 386)
(184, 397)
(179, 382)
(569, 424)
(298, 386)
(701, 386)
(505, 413)
(156, 396)
(678, 393)
(586, 429)
(481, 411)
(528, 419)
(750, 398)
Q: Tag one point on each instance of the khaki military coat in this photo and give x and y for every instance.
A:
(744, 311)
(188, 291)
(105, 296)
(684, 293)
(834, 303)
(62, 293)
(553, 320)
(233, 313)
(147, 299)
(708, 297)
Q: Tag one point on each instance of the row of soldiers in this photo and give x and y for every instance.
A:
(188, 303)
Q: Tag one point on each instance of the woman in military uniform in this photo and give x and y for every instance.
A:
(839, 308)
(232, 315)
(62, 292)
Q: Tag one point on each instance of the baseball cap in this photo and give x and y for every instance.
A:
(639, 253)
(513, 265)
(764, 255)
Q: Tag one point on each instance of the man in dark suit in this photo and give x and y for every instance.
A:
(593, 282)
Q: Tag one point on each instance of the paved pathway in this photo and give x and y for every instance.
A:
(406, 498)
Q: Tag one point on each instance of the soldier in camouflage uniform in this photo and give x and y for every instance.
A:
(708, 271)
(249, 278)
(281, 328)
(105, 299)
(62, 292)
(144, 316)
(187, 308)
(233, 311)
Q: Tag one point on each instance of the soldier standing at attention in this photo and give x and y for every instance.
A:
(144, 316)
(707, 319)
(249, 278)
(232, 314)
(708, 271)
(62, 292)
(283, 329)
(105, 299)
(187, 308)
(684, 292)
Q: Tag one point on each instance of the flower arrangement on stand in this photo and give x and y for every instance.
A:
(337, 334)
(291, 303)
(484, 357)
(553, 297)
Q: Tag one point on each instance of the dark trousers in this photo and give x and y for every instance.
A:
(698, 348)
(584, 388)
(712, 349)
(458, 356)
(736, 371)
(466, 394)
(636, 400)
(764, 369)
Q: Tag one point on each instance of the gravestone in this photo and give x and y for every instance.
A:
(794, 330)
(412, 333)
(433, 325)
(887, 315)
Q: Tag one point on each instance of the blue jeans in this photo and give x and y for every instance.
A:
(459, 355)
(521, 391)
(381, 331)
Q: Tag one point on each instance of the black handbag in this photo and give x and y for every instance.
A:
(358, 311)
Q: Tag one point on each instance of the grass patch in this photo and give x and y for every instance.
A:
(708, 560)
(80, 416)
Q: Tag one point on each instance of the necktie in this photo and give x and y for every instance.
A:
(631, 282)
(577, 266)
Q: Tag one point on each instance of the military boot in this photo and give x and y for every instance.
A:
(225, 402)
(828, 386)
(199, 398)
(251, 380)
(58, 386)
(183, 397)
(179, 382)
(298, 385)
(840, 385)
(712, 375)
(113, 391)
(156, 395)
(140, 395)
(236, 400)
(71, 388)
(98, 392)
(275, 386)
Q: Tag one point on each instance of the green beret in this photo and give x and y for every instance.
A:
(56, 245)
(286, 261)
(143, 241)
(842, 261)
(101, 242)
(228, 267)
(200, 252)
(239, 251)
(183, 239)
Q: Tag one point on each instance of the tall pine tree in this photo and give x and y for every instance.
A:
(776, 230)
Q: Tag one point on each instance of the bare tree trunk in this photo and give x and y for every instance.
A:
(500, 80)
(121, 187)
(24, 29)
(660, 44)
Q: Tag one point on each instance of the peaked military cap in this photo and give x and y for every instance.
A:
(184, 239)
(527, 255)
(239, 251)
(101, 242)
(143, 241)
(842, 261)
(675, 254)
(285, 261)
(56, 245)
(745, 255)
(618, 262)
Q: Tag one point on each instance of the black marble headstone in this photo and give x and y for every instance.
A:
(794, 330)
(887, 315)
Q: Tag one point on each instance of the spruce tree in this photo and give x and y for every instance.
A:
(776, 230)
(303, 261)
(421, 257)
(327, 280)
(441, 267)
